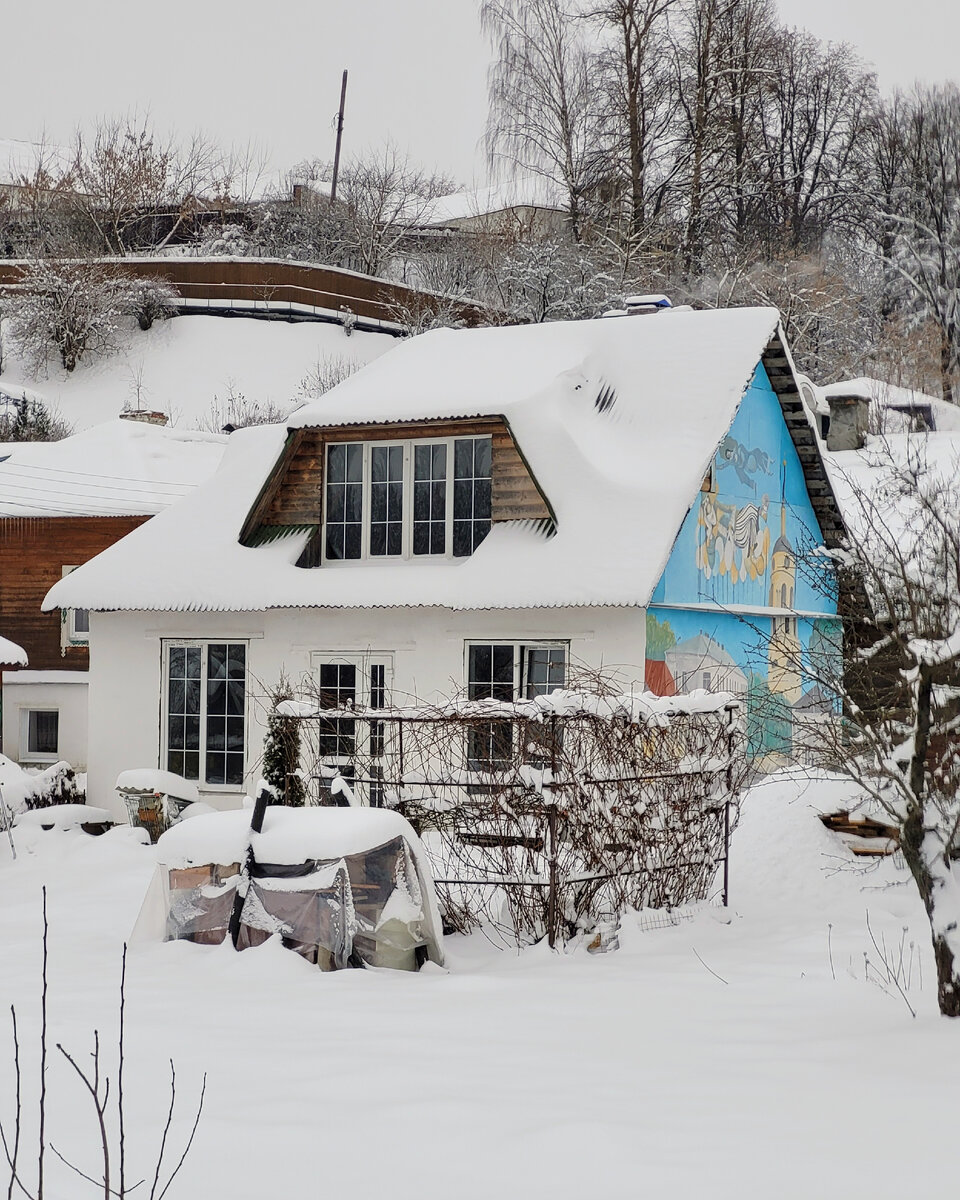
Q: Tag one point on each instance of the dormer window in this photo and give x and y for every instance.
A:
(406, 499)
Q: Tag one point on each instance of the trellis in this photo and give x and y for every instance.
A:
(545, 817)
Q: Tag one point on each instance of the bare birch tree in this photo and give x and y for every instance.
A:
(544, 94)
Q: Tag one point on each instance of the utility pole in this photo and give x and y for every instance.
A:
(336, 153)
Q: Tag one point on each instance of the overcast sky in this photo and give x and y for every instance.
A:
(270, 72)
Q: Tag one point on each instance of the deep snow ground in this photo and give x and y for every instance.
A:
(630, 1074)
(181, 366)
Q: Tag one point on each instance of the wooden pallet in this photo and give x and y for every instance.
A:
(865, 836)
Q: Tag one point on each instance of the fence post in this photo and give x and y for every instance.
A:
(552, 893)
(726, 808)
(552, 834)
(256, 826)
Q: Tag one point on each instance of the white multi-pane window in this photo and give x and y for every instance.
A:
(205, 711)
(406, 499)
(508, 671)
(355, 749)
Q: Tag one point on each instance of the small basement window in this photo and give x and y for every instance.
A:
(39, 734)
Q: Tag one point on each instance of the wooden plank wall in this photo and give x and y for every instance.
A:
(278, 281)
(294, 495)
(33, 553)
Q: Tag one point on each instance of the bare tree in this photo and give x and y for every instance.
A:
(901, 701)
(824, 103)
(920, 220)
(641, 101)
(545, 97)
(384, 196)
(138, 188)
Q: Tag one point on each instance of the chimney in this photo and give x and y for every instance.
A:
(847, 425)
(141, 414)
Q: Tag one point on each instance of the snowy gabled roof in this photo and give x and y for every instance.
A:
(525, 192)
(119, 468)
(620, 481)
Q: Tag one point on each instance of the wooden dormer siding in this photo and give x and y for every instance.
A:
(292, 497)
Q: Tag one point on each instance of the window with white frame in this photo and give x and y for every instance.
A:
(205, 711)
(39, 734)
(74, 622)
(354, 749)
(508, 671)
(406, 499)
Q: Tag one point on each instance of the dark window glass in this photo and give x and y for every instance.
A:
(217, 673)
(472, 460)
(386, 500)
(81, 621)
(430, 499)
(44, 732)
(544, 670)
(490, 676)
(338, 689)
(344, 500)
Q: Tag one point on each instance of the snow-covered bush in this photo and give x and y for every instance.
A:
(325, 374)
(281, 751)
(152, 299)
(235, 411)
(23, 792)
(27, 419)
(68, 308)
(56, 785)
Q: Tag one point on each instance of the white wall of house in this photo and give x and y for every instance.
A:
(427, 646)
(60, 692)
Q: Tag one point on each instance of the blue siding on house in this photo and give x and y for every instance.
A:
(722, 555)
(745, 604)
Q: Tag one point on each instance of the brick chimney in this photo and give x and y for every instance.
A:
(848, 420)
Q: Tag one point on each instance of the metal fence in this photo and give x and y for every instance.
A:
(543, 822)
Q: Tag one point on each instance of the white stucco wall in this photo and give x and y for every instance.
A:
(428, 648)
(65, 691)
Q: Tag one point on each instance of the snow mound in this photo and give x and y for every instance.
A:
(64, 816)
(181, 366)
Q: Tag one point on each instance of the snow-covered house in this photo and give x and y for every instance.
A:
(61, 503)
(483, 510)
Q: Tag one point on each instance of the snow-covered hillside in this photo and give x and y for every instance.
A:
(185, 366)
(749, 1054)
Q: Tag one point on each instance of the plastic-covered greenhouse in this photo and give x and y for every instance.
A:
(342, 887)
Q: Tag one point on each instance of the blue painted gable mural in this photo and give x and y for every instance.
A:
(743, 604)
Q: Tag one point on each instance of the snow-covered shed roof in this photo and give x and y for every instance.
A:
(119, 468)
(864, 480)
(12, 655)
(891, 398)
(619, 477)
(525, 192)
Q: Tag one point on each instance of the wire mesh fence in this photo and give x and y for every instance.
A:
(544, 817)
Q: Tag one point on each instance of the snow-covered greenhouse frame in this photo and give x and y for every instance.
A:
(545, 817)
